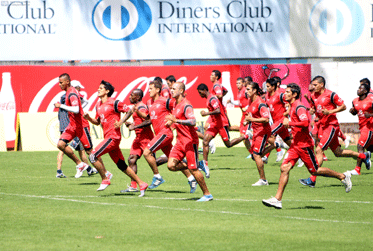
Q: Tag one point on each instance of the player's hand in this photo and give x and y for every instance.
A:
(367, 115)
(203, 113)
(285, 122)
(128, 123)
(117, 124)
(86, 115)
(57, 105)
(170, 119)
(131, 127)
(248, 118)
(353, 111)
(306, 96)
(229, 101)
(325, 112)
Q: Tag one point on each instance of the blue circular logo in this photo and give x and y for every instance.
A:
(121, 19)
(337, 22)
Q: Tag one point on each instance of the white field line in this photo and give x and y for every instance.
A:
(50, 197)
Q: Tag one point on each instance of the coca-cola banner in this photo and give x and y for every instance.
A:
(35, 88)
(2, 134)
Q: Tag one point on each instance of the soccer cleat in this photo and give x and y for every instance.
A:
(104, 185)
(205, 198)
(193, 185)
(273, 202)
(347, 182)
(93, 171)
(248, 157)
(249, 134)
(280, 143)
(367, 161)
(354, 172)
(307, 182)
(130, 190)
(300, 163)
(202, 166)
(143, 188)
(80, 169)
(109, 175)
(347, 141)
(325, 158)
(212, 147)
(60, 175)
(260, 182)
(156, 182)
(265, 160)
(280, 155)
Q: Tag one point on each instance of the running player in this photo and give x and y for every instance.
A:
(326, 105)
(107, 113)
(183, 119)
(301, 147)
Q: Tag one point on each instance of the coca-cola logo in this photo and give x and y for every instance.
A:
(6, 106)
(139, 83)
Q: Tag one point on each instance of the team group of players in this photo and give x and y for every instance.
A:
(264, 116)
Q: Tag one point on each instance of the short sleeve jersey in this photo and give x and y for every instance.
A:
(184, 111)
(109, 112)
(138, 120)
(328, 100)
(258, 109)
(212, 104)
(276, 105)
(73, 99)
(244, 101)
(165, 92)
(158, 110)
(362, 106)
(218, 89)
(301, 135)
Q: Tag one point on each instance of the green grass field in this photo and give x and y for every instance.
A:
(41, 212)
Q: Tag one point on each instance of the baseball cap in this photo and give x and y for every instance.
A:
(76, 83)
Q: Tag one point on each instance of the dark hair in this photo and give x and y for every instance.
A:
(157, 85)
(319, 79)
(158, 79)
(217, 73)
(366, 87)
(294, 88)
(65, 75)
(277, 79)
(365, 81)
(171, 78)
(272, 82)
(240, 79)
(249, 78)
(256, 87)
(202, 87)
(108, 87)
(139, 92)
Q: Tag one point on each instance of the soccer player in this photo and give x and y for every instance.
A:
(301, 147)
(170, 80)
(144, 133)
(78, 126)
(363, 108)
(165, 91)
(107, 113)
(326, 105)
(258, 116)
(183, 119)
(218, 124)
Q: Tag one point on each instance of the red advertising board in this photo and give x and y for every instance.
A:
(36, 88)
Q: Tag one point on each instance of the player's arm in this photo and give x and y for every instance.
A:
(73, 109)
(338, 102)
(214, 112)
(145, 123)
(84, 102)
(302, 115)
(353, 110)
(264, 115)
(119, 123)
(95, 121)
(189, 115)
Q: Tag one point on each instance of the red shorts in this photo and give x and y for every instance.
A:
(329, 138)
(161, 141)
(139, 145)
(278, 128)
(259, 142)
(243, 128)
(189, 150)
(82, 133)
(215, 129)
(366, 138)
(305, 154)
(108, 145)
(315, 129)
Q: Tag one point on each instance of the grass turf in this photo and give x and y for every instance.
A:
(41, 212)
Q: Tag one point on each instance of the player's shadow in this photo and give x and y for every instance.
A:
(164, 191)
(89, 184)
(308, 207)
(223, 168)
(272, 183)
(224, 155)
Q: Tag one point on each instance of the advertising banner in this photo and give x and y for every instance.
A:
(143, 29)
(35, 89)
(331, 28)
(2, 134)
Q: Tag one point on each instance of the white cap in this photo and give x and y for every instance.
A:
(76, 83)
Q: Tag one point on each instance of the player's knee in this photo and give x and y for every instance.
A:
(132, 160)
(338, 152)
(285, 168)
(228, 144)
(121, 164)
(92, 158)
(61, 145)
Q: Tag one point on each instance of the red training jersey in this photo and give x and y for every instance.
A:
(244, 100)
(73, 99)
(363, 106)
(276, 105)
(328, 100)
(184, 111)
(158, 111)
(166, 92)
(301, 134)
(258, 109)
(213, 104)
(138, 120)
(109, 112)
(217, 90)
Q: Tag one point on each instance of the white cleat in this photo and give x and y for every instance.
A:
(280, 155)
(353, 172)
(265, 160)
(212, 146)
(273, 202)
(260, 182)
(300, 163)
(104, 185)
(249, 133)
(281, 143)
(347, 182)
(80, 169)
(347, 141)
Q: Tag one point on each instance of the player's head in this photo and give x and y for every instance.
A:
(278, 80)
(247, 80)
(318, 83)
(215, 76)
(155, 88)
(253, 89)
(170, 80)
(271, 85)
(363, 89)
(292, 92)
(64, 81)
(108, 87)
(177, 89)
(203, 90)
(240, 83)
(311, 87)
(136, 96)
(365, 81)
(158, 79)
